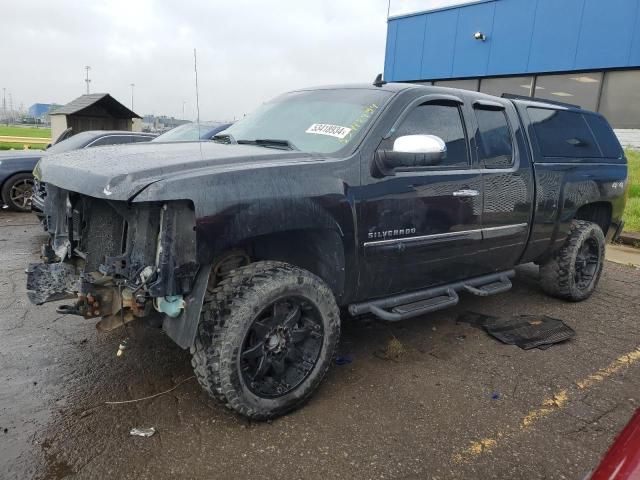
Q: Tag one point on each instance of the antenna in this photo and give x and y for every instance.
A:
(87, 80)
(195, 68)
(378, 82)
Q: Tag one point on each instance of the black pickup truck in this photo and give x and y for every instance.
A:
(384, 199)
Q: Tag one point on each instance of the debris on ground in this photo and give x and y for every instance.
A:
(394, 351)
(474, 319)
(525, 331)
(142, 432)
(121, 348)
(122, 402)
(344, 359)
(530, 331)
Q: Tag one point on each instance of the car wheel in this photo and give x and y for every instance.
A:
(267, 336)
(17, 191)
(574, 270)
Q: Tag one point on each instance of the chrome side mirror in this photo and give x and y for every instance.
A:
(410, 152)
(430, 145)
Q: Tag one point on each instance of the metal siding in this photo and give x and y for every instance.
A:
(511, 39)
(409, 39)
(439, 44)
(389, 56)
(555, 35)
(471, 56)
(523, 36)
(606, 33)
(634, 51)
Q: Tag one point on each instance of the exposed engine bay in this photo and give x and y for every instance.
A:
(119, 261)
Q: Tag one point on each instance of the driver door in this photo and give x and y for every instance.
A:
(421, 226)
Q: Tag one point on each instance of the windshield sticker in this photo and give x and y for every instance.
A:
(358, 122)
(327, 129)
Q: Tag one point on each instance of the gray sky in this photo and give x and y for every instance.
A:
(248, 51)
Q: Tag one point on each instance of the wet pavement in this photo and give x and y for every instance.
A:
(426, 398)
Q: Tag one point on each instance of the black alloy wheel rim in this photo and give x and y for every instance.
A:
(282, 347)
(587, 263)
(21, 192)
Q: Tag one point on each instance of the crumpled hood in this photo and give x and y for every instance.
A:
(120, 172)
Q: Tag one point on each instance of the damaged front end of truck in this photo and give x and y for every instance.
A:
(118, 260)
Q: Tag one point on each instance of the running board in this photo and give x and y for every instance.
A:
(408, 305)
(499, 286)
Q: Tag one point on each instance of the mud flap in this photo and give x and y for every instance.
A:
(183, 328)
(47, 282)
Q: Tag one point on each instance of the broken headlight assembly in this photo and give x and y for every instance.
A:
(120, 261)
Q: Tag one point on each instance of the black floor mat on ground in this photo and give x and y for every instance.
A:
(529, 331)
(525, 331)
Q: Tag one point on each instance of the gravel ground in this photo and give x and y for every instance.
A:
(426, 398)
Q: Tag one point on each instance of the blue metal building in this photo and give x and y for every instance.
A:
(41, 110)
(585, 52)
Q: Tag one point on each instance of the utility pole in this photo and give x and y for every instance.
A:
(4, 106)
(87, 79)
(132, 85)
(183, 104)
(11, 106)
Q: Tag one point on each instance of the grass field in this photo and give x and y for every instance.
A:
(632, 211)
(20, 146)
(25, 132)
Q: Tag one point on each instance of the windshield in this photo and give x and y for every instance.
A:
(316, 121)
(75, 142)
(190, 132)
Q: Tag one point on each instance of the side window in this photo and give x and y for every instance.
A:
(563, 133)
(139, 138)
(495, 149)
(444, 121)
(112, 140)
(607, 140)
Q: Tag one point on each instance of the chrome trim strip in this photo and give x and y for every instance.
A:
(503, 227)
(443, 235)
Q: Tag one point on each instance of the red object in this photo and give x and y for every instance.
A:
(622, 461)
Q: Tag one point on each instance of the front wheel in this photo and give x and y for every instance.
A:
(267, 336)
(17, 191)
(574, 271)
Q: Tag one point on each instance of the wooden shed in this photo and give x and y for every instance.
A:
(95, 111)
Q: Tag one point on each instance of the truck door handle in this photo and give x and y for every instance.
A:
(466, 193)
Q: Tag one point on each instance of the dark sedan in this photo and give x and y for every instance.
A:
(16, 179)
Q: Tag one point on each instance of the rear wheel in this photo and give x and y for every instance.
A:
(267, 336)
(574, 271)
(17, 191)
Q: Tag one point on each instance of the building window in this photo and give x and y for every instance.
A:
(444, 121)
(462, 84)
(494, 138)
(620, 102)
(512, 85)
(576, 88)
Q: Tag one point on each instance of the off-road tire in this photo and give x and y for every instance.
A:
(557, 275)
(8, 187)
(228, 312)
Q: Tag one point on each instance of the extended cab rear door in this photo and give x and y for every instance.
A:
(507, 178)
